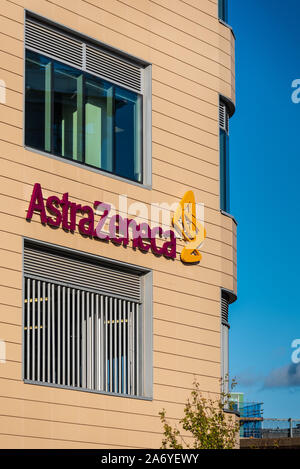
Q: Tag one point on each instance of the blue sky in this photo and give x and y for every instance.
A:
(265, 194)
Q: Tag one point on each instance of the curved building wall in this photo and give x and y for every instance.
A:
(192, 58)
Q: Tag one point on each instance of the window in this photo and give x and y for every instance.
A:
(225, 341)
(85, 323)
(224, 158)
(86, 105)
(223, 10)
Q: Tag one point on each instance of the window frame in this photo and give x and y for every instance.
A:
(146, 362)
(146, 161)
(223, 10)
(224, 172)
(229, 297)
(224, 157)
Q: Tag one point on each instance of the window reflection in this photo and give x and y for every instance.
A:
(83, 118)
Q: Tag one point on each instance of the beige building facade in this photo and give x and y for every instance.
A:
(121, 103)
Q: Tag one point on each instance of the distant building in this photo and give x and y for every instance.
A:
(251, 415)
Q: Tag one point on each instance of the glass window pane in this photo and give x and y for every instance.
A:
(224, 171)
(68, 111)
(223, 10)
(99, 123)
(81, 117)
(128, 134)
(38, 102)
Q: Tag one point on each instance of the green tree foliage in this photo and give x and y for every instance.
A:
(206, 422)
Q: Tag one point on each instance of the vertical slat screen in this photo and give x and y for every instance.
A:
(81, 339)
(44, 332)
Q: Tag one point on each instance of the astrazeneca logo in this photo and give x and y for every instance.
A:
(193, 232)
(129, 224)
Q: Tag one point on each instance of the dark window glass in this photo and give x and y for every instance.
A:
(38, 102)
(223, 10)
(224, 171)
(128, 134)
(83, 118)
(68, 109)
(99, 118)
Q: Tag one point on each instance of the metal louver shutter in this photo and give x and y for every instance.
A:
(223, 117)
(114, 68)
(53, 42)
(63, 46)
(80, 271)
(224, 309)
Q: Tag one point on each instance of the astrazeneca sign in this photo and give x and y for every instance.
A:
(61, 212)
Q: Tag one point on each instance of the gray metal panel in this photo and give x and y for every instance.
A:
(120, 345)
(133, 362)
(53, 334)
(147, 127)
(110, 354)
(223, 117)
(28, 331)
(137, 352)
(38, 330)
(63, 336)
(78, 337)
(115, 345)
(56, 43)
(57, 315)
(147, 337)
(44, 333)
(92, 347)
(33, 331)
(224, 308)
(60, 268)
(88, 342)
(68, 337)
(225, 358)
(106, 342)
(48, 334)
(51, 41)
(125, 318)
(97, 346)
(74, 312)
(83, 343)
(101, 346)
(59, 345)
(114, 68)
(54, 351)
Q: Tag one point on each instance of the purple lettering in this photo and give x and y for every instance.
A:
(169, 247)
(98, 233)
(86, 225)
(65, 204)
(144, 233)
(37, 204)
(52, 205)
(74, 209)
(156, 230)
